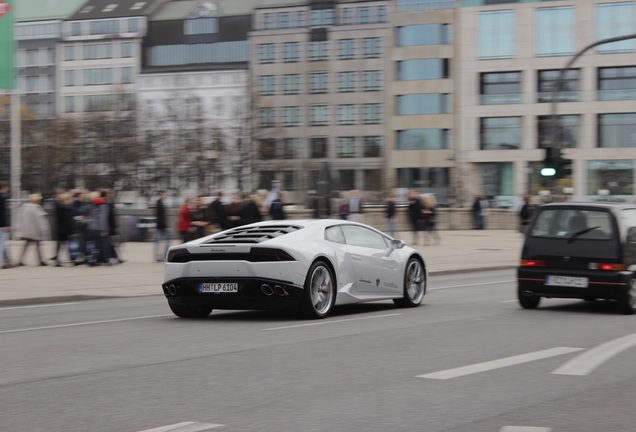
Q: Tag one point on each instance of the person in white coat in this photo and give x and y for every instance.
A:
(35, 226)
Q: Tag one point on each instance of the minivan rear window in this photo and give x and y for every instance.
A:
(573, 224)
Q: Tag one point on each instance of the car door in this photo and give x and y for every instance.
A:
(374, 265)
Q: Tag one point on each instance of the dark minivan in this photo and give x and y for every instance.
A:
(580, 250)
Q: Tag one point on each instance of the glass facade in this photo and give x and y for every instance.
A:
(500, 88)
(496, 34)
(424, 34)
(422, 139)
(547, 81)
(617, 130)
(612, 20)
(555, 31)
(567, 131)
(500, 133)
(617, 83)
(424, 103)
(422, 69)
(346, 147)
(614, 176)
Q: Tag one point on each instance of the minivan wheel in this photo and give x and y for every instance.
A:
(528, 301)
(626, 303)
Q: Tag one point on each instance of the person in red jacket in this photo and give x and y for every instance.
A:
(183, 220)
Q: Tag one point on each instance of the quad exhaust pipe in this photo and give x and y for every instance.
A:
(170, 290)
(277, 289)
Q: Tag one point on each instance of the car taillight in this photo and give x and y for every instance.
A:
(533, 263)
(606, 266)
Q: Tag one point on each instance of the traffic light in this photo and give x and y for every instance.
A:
(555, 165)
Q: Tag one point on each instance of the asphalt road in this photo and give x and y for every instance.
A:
(468, 360)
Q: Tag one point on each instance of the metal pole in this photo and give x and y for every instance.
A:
(16, 153)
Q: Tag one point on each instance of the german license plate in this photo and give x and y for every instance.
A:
(218, 288)
(566, 281)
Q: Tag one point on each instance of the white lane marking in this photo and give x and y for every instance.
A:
(524, 429)
(585, 363)
(474, 284)
(81, 324)
(500, 363)
(184, 427)
(38, 306)
(330, 322)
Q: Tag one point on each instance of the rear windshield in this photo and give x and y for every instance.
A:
(569, 223)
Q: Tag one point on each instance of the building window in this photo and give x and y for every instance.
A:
(319, 115)
(346, 82)
(346, 147)
(566, 134)
(615, 176)
(318, 50)
(371, 47)
(617, 83)
(496, 34)
(500, 133)
(69, 52)
(555, 30)
(291, 84)
(363, 15)
(417, 5)
(69, 104)
(433, 179)
(267, 85)
(290, 148)
(267, 53)
(69, 78)
(267, 149)
(318, 148)
(98, 51)
(127, 75)
(346, 114)
(321, 18)
(498, 180)
(347, 179)
(423, 69)
(104, 27)
(291, 52)
(283, 20)
(424, 34)
(267, 117)
(33, 57)
(268, 21)
(617, 130)
(318, 82)
(200, 26)
(422, 139)
(372, 146)
(102, 76)
(346, 16)
(423, 103)
(76, 29)
(612, 20)
(346, 49)
(291, 116)
(126, 49)
(547, 82)
(133, 25)
(372, 80)
(380, 14)
(500, 88)
(371, 113)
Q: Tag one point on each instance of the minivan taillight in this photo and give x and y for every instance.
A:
(533, 263)
(606, 266)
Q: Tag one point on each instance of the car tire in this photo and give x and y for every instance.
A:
(626, 303)
(414, 284)
(190, 311)
(528, 301)
(320, 292)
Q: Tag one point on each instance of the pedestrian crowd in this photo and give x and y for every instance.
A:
(84, 228)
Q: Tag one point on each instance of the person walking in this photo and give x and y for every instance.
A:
(217, 211)
(5, 227)
(415, 215)
(199, 218)
(525, 213)
(390, 215)
(98, 230)
(355, 206)
(250, 212)
(430, 219)
(162, 234)
(35, 226)
(114, 240)
(183, 220)
(277, 208)
(478, 220)
(64, 226)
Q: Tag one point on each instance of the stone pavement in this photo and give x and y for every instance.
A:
(140, 275)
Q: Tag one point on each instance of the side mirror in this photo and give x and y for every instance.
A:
(631, 235)
(397, 244)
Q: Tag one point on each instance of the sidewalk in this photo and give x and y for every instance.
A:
(141, 275)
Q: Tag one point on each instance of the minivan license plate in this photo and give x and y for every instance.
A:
(218, 288)
(566, 281)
